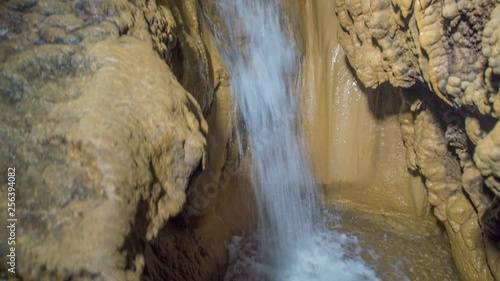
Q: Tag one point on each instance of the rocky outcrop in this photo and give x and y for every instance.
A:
(449, 190)
(438, 43)
(103, 137)
(452, 47)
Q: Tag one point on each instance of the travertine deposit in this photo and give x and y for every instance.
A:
(357, 150)
(103, 136)
(447, 50)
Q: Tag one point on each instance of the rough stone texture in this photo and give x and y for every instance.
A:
(487, 158)
(103, 137)
(448, 189)
(215, 208)
(364, 170)
(179, 254)
(453, 47)
(436, 42)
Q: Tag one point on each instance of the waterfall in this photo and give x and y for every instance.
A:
(264, 69)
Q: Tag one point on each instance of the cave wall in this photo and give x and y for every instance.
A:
(444, 54)
(219, 201)
(95, 151)
(353, 132)
(115, 114)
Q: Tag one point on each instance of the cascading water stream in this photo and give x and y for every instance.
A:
(264, 72)
(292, 243)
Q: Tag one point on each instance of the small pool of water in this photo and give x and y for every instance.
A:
(354, 246)
(399, 246)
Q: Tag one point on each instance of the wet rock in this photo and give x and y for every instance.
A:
(454, 186)
(438, 43)
(450, 46)
(102, 135)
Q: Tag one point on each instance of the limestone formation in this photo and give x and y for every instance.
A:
(452, 47)
(354, 134)
(448, 188)
(434, 42)
(103, 137)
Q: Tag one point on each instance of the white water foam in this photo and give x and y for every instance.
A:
(327, 255)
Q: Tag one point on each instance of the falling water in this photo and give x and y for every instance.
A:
(264, 69)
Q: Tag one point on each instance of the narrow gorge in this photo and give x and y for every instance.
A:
(249, 140)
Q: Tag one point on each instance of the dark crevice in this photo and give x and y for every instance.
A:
(491, 222)
(178, 253)
(384, 101)
(176, 62)
(487, 122)
(183, 217)
(135, 241)
(495, 81)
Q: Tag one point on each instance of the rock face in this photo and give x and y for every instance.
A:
(354, 134)
(103, 137)
(438, 43)
(450, 48)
